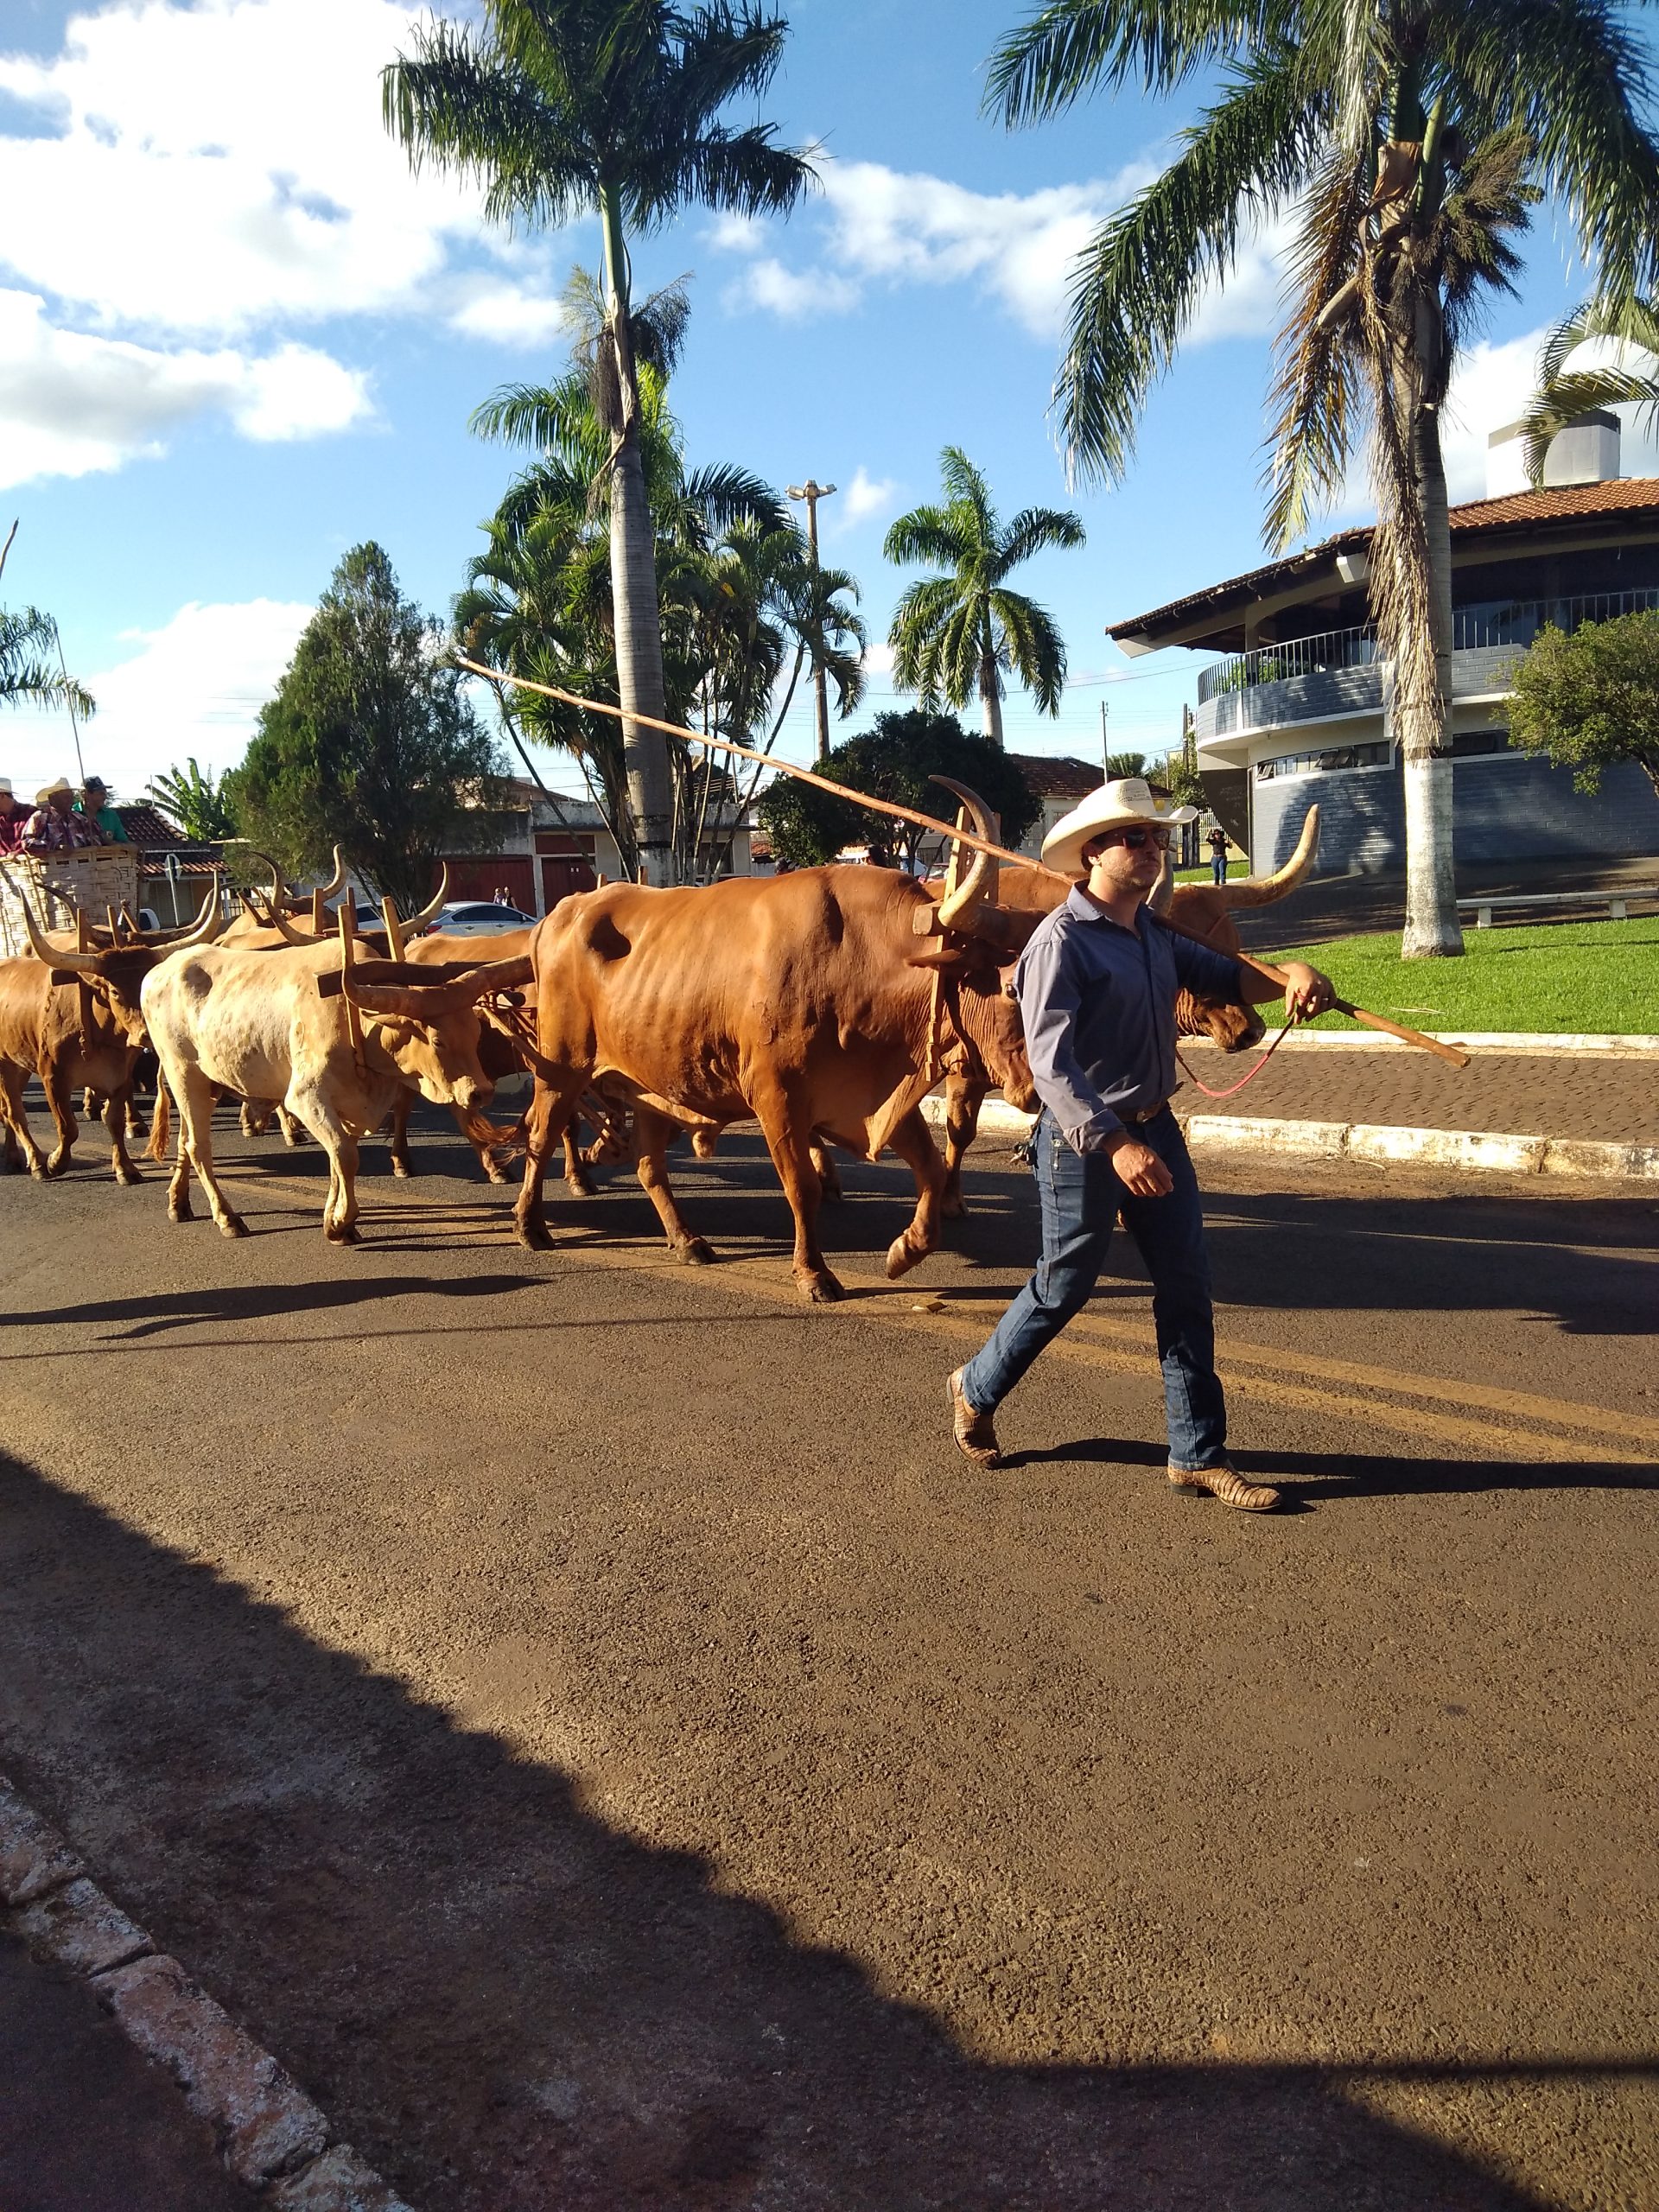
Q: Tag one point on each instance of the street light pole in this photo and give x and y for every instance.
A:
(811, 493)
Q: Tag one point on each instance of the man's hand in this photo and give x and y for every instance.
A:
(1137, 1167)
(1307, 992)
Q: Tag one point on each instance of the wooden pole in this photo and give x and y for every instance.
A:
(1275, 975)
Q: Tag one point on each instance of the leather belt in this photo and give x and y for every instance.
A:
(1146, 1113)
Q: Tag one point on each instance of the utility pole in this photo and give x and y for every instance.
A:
(1105, 743)
(811, 493)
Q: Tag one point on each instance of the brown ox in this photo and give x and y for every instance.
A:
(822, 1003)
(73, 1017)
(275, 1025)
(1205, 909)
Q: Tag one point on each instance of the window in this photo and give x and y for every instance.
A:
(1467, 744)
(1321, 763)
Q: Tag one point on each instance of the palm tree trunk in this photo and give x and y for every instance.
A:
(633, 588)
(1423, 712)
(990, 689)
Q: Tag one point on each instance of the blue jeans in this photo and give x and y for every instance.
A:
(1080, 1197)
(1217, 867)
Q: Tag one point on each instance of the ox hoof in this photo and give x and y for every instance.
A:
(903, 1256)
(349, 1235)
(55, 1165)
(180, 1213)
(402, 1169)
(580, 1186)
(533, 1235)
(693, 1252)
(127, 1177)
(40, 1171)
(234, 1226)
(821, 1289)
(953, 1209)
(494, 1171)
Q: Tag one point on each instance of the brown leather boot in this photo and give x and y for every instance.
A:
(1229, 1487)
(975, 1435)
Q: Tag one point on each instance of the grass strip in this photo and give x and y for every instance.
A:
(1593, 976)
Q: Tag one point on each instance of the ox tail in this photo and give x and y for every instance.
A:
(490, 1137)
(157, 1148)
(1263, 890)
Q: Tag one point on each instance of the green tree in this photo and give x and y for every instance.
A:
(894, 761)
(368, 743)
(956, 634)
(197, 804)
(26, 636)
(1591, 698)
(1629, 332)
(570, 107)
(1126, 764)
(1409, 139)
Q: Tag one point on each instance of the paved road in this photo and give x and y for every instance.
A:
(578, 1712)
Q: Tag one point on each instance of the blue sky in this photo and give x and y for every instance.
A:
(236, 337)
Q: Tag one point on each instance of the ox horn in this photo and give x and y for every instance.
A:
(432, 1002)
(978, 887)
(336, 882)
(77, 962)
(206, 926)
(416, 923)
(1263, 890)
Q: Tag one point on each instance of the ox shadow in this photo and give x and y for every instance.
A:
(509, 2004)
(1310, 1480)
(232, 1302)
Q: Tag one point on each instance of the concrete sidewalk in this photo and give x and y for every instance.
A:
(86, 2123)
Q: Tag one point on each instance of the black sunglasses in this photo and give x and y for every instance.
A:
(1138, 840)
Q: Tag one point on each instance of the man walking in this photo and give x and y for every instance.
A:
(1096, 987)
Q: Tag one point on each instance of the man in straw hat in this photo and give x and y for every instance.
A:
(1097, 986)
(54, 827)
(12, 818)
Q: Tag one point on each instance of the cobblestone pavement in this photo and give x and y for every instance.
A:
(1543, 1095)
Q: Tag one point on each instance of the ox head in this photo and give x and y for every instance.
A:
(429, 1028)
(1207, 911)
(114, 973)
(972, 945)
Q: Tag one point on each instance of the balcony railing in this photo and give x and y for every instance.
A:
(1489, 622)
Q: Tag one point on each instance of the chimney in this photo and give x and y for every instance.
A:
(1583, 451)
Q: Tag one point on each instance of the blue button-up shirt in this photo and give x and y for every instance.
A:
(1098, 1002)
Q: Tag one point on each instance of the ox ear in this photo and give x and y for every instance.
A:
(941, 954)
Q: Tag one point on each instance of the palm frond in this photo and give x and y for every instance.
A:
(1140, 281)
(1034, 649)
(1317, 389)
(1036, 530)
(1071, 47)
(925, 534)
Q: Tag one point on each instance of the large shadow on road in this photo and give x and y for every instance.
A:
(512, 2006)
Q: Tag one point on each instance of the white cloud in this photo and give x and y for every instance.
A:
(883, 225)
(193, 686)
(196, 174)
(794, 294)
(866, 497)
(70, 405)
(1491, 387)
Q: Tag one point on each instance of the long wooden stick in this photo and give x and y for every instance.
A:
(1275, 975)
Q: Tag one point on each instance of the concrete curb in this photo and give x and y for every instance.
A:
(268, 2132)
(1490, 1152)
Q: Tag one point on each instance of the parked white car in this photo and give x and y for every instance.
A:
(477, 918)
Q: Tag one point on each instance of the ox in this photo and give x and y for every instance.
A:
(277, 1025)
(1204, 908)
(822, 1004)
(73, 1017)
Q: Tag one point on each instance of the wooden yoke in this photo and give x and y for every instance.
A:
(394, 922)
(354, 1016)
(84, 989)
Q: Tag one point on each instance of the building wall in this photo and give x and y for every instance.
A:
(1507, 808)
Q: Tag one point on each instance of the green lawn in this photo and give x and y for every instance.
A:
(1598, 977)
(1203, 875)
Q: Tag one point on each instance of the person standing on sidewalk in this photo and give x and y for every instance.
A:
(1217, 843)
(1096, 987)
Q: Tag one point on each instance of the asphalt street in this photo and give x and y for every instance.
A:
(580, 1714)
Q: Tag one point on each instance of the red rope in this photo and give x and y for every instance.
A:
(1233, 1089)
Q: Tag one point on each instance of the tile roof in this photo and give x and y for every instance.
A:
(1060, 775)
(1623, 495)
(148, 828)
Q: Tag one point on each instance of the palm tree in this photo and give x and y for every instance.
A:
(571, 107)
(1563, 393)
(1410, 137)
(197, 804)
(25, 636)
(955, 634)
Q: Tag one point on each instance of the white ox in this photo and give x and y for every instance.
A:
(259, 1023)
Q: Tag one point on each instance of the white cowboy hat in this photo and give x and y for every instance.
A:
(5, 787)
(63, 783)
(1128, 799)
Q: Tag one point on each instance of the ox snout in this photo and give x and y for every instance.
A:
(474, 1091)
(1231, 1028)
(1019, 1090)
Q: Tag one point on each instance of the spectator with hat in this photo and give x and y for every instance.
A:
(54, 827)
(12, 818)
(94, 806)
